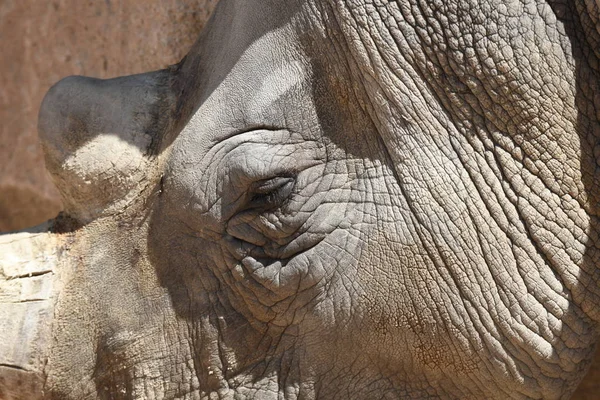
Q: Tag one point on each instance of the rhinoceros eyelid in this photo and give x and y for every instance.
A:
(250, 129)
(271, 193)
(269, 185)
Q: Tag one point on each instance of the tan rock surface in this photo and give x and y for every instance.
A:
(44, 41)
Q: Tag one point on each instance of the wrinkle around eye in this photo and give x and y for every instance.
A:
(247, 130)
(241, 228)
(302, 242)
(272, 194)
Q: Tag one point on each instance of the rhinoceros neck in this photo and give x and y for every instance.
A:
(489, 138)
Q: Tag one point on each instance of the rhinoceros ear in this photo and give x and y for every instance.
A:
(100, 138)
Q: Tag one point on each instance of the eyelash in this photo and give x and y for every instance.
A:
(271, 193)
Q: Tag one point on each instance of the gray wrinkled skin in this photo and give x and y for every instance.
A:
(336, 199)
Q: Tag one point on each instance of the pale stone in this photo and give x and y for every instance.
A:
(28, 290)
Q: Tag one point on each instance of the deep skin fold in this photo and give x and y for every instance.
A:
(447, 215)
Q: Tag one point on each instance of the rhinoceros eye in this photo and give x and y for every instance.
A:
(271, 193)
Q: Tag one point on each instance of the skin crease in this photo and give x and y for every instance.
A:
(341, 199)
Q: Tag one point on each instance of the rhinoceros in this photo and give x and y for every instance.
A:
(324, 199)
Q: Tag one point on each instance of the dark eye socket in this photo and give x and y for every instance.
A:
(271, 193)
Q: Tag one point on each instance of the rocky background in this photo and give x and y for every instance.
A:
(44, 41)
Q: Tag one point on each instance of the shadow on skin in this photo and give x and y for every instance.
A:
(584, 39)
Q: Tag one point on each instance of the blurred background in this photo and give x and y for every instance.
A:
(43, 41)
